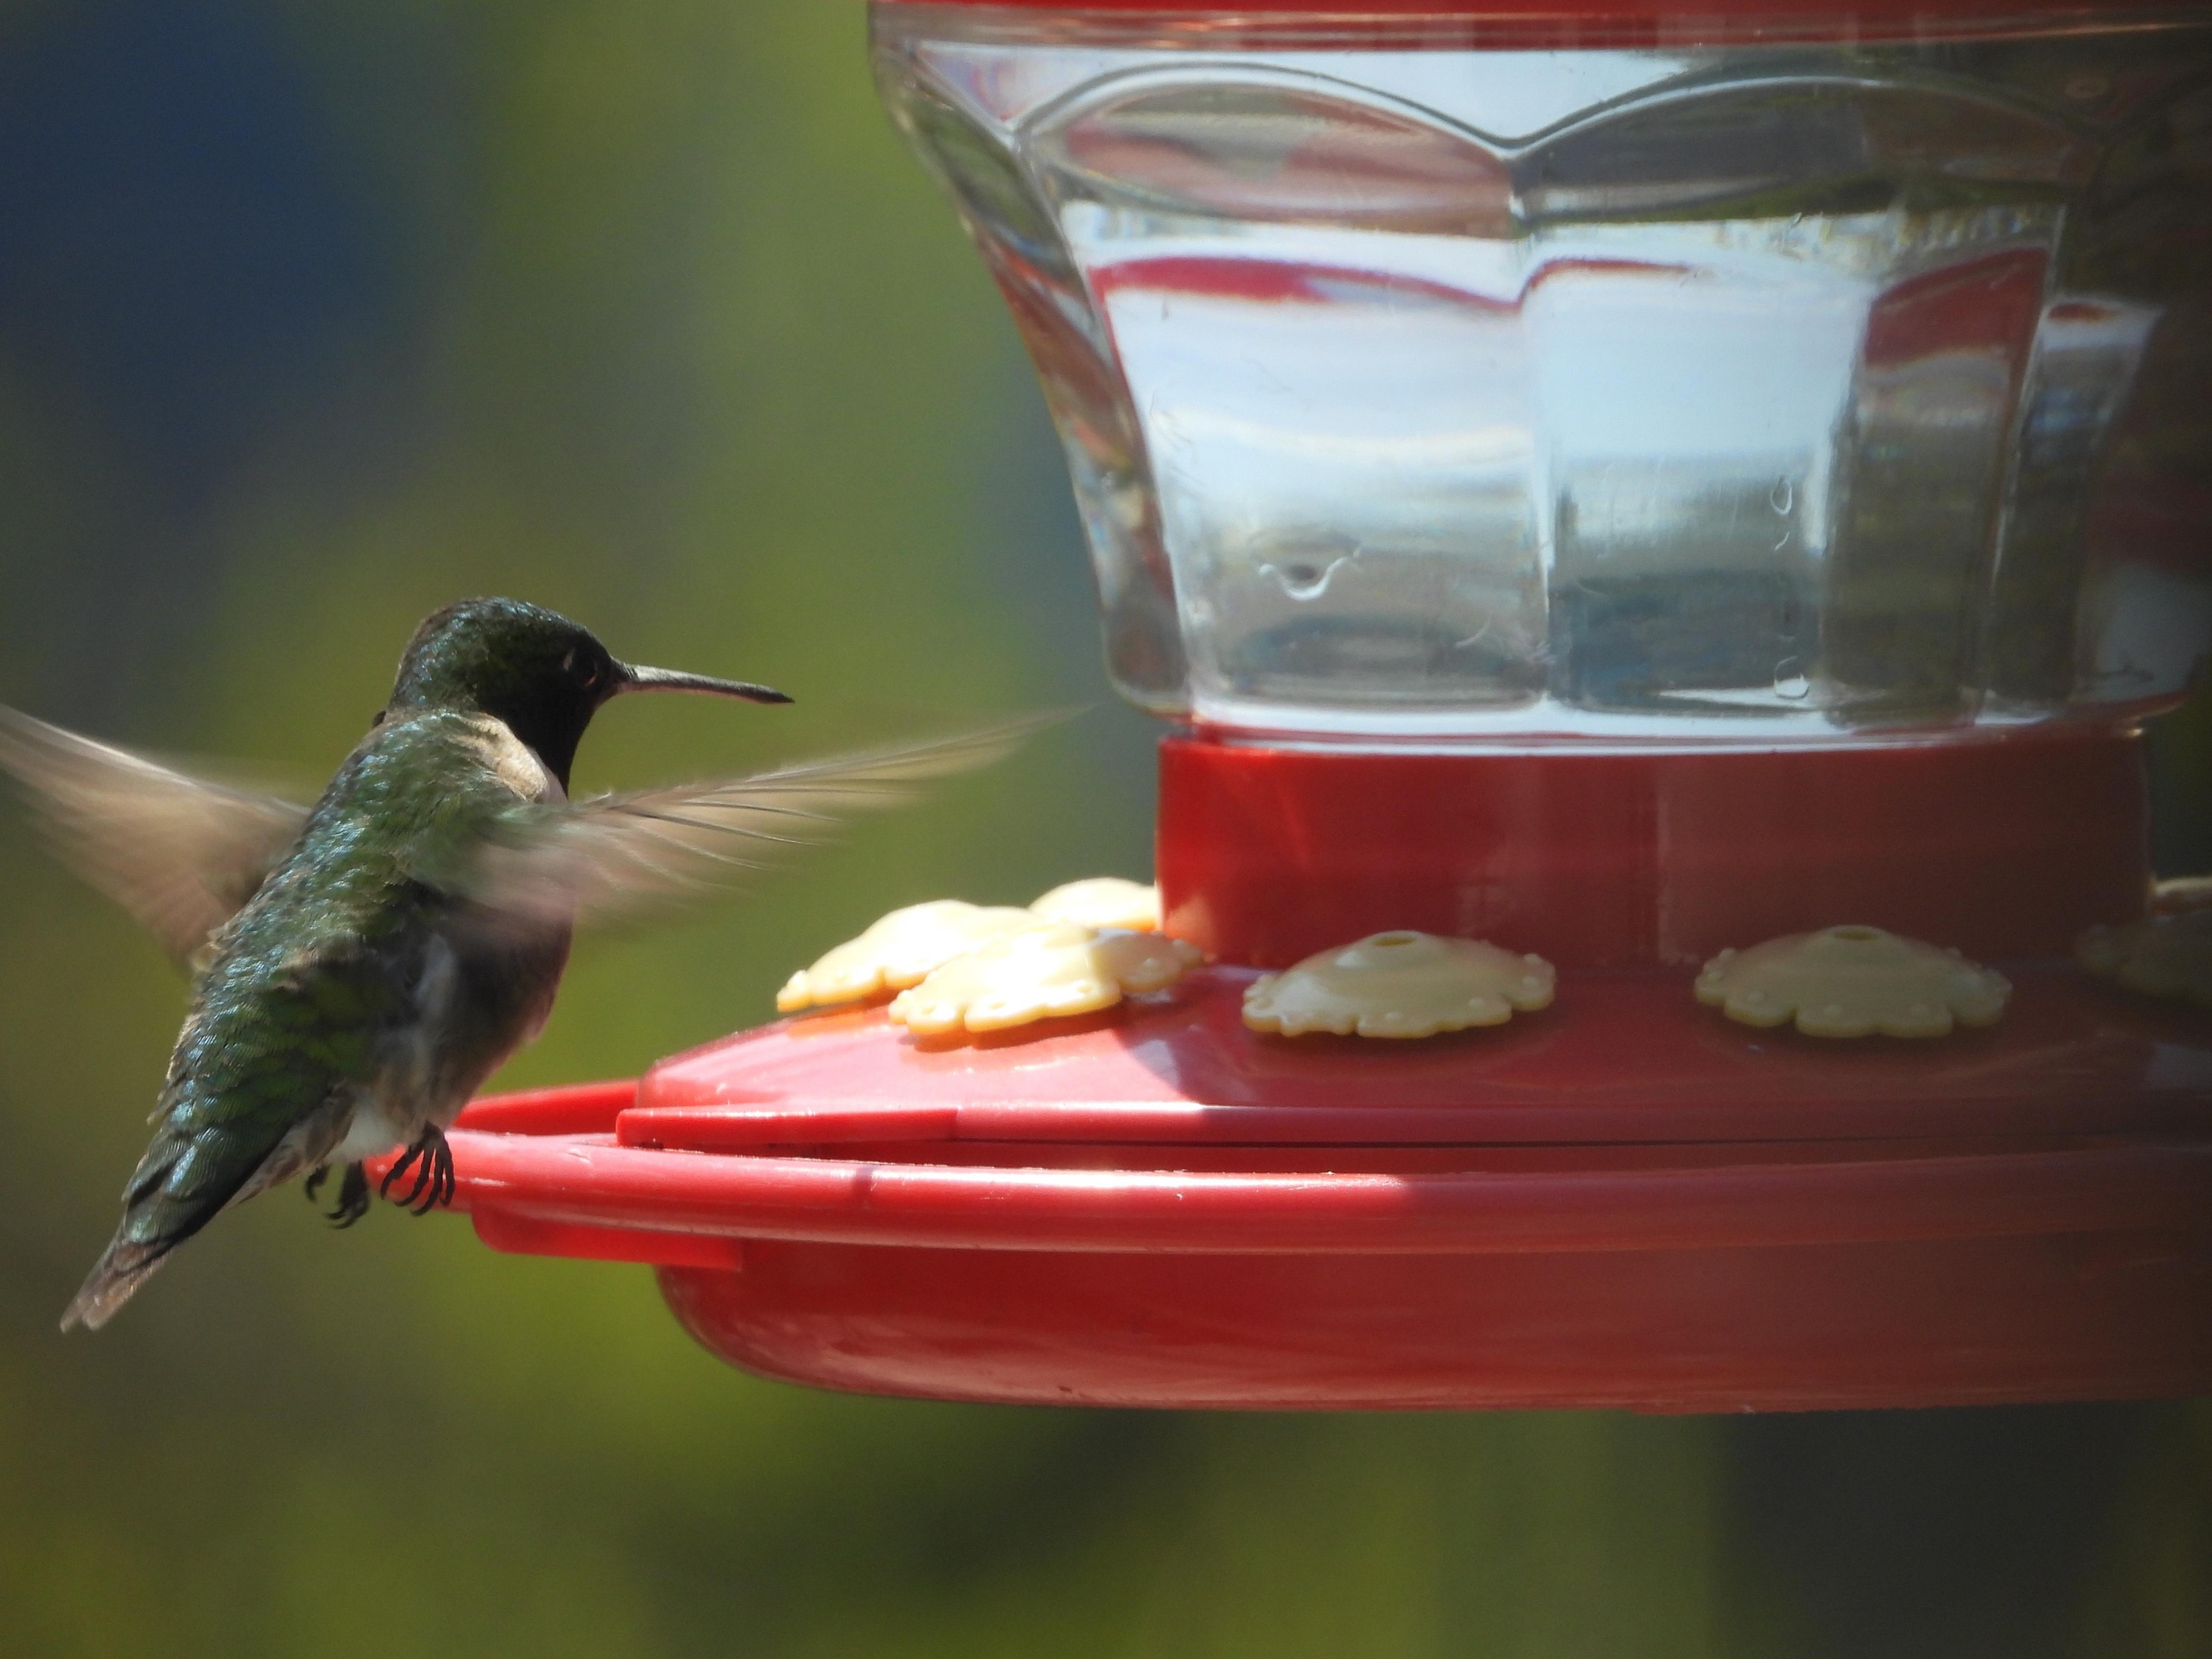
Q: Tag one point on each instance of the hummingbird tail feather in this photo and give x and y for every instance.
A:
(126, 1265)
(181, 1184)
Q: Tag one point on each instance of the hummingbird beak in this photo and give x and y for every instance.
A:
(635, 679)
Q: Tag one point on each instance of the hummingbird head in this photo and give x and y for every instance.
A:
(543, 675)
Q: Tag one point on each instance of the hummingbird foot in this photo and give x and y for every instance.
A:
(353, 1197)
(432, 1160)
(353, 1194)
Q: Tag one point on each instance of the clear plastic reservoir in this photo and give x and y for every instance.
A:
(1417, 383)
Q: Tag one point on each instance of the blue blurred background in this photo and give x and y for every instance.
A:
(316, 313)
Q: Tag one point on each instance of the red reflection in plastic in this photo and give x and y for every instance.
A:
(1988, 305)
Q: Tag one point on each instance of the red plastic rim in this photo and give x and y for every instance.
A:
(1622, 22)
(1838, 1196)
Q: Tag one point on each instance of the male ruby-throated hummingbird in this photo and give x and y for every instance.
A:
(359, 968)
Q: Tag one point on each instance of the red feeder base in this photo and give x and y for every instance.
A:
(1623, 1200)
(1158, 1207)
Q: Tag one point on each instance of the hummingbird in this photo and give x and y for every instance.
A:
(360, 967)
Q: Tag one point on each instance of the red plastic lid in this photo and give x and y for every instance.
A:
(1157, 1207)
(1619, 1059)
(1164, 1124)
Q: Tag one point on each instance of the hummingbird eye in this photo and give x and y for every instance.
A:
(587, 672)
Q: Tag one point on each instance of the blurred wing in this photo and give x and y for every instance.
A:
(615, 856)
(178, 853)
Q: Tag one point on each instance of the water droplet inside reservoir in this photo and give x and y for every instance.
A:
(1304, 580)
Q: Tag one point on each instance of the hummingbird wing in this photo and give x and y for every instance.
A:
(180, 854)
(615, 856)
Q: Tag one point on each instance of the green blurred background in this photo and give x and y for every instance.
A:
(316, 313)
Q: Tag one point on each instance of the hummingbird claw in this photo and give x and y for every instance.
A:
(353, 1197)
(353, 1193)
(432, 1160)
(400, 1166)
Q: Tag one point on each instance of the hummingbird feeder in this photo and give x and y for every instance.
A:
(1657, 528)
